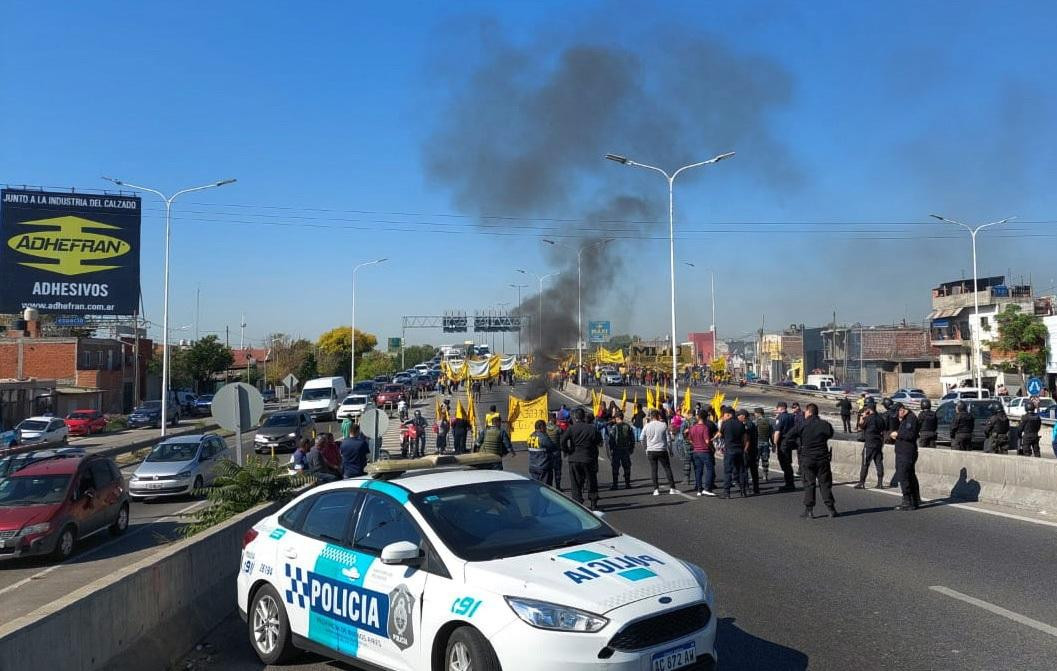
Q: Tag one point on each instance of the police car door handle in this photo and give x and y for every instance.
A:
(290, 553)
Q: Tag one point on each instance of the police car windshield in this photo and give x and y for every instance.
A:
(481, 522)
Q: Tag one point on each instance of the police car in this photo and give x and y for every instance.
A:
(433, 564)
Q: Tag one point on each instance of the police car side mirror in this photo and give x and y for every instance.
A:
(401, 552)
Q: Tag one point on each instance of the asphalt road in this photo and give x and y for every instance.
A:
(943, 588)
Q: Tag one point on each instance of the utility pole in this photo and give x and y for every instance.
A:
(198, 296)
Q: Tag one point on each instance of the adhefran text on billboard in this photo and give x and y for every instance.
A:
(69, 253)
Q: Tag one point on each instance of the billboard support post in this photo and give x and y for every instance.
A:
(165, 294)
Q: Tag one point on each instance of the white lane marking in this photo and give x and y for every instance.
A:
(37, 576)
(997, 610)
(967, 506)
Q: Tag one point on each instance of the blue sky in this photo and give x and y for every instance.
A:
(872, 115)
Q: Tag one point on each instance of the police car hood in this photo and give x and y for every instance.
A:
(596, 577)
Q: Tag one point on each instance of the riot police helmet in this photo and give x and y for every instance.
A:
(926, 404)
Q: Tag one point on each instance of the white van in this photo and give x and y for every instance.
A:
(965, 393)
(321, 397)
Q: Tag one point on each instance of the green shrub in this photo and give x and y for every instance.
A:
(236, 489)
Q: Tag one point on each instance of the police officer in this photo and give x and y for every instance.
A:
(813, 439)
(540, 452)
(997, 430)
(891, 418)
(1030, 426)
(874, 429)
(962, 428)
(927, 423)
(494, 440)
(844, 405)
(906, 448)
(620, 441)
(783, 426)
(580, 443)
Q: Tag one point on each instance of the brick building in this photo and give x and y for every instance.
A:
(100, 364)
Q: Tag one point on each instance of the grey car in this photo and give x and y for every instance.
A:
(178, 466)
(282, 430)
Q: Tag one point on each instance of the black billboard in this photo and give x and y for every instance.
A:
(69, 253)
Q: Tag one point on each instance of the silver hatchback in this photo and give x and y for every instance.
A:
(178, 466)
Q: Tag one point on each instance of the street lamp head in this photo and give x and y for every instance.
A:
(549, 242)
(941, 218)
(623, 160)
(382, 260)
(114, 180)
(717, 159)
(222, 182)
(521, 271)
(689, 264)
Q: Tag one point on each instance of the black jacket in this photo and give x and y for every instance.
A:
(874, 430)
(907, 433)
(813, 438)
(581, 443)
(997, 425)
(928, 422)
(963, 424)
(844, 405)
(1030, 425)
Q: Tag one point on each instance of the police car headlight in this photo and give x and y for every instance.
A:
(543, 615)
(184, 475)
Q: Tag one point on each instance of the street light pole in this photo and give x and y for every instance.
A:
(539, 321)
(623, 160)
(579, 310)
(165, 294)
(519, 287)
(712, 277)
(352, 333)
(977, 358)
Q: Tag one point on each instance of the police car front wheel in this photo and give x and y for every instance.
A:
(269, 628)
(468, 650)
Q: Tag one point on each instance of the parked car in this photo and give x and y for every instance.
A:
(965, 393)
(178, 466)
(1015, 407)
(389, 395)
(283, 430)
(911, 398)
(149, 414)
(808, 387)
(909, 390)
(85, 422)
(268, 395)
(786, 383)
(49, 506)
(43, 431)
(186, 400)
(354, 405)
(204, 404)
(381, 379)
(366, 387)
(981, 410)
(402, 378)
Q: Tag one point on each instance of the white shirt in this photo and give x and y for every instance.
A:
(655, 436)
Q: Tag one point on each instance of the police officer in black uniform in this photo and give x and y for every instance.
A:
(906, 442)
(928, 423)
(1030, 426)
(891, 418)
(962, 428)
(844, 406)
(997, 430)
(874, 429)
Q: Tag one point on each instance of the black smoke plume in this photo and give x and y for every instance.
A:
(525, 130)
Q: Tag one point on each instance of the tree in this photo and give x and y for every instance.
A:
(1022, 342)
(375, 363)
(335, 351)
(417, 354)
(203, 359)
(308, 368)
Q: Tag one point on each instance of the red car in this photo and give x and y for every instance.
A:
(47, 507)
(389, 395)
(85, 422)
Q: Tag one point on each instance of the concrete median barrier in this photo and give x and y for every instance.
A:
(1009, 480)
(144, 616)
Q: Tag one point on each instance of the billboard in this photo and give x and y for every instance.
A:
(395, 344)
(598, 332)
(69, 253)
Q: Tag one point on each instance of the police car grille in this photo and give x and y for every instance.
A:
(661, 628)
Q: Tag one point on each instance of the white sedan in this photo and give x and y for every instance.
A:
(460, 569)
(1015, 407)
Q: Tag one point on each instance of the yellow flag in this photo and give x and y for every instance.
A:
(513, 409)
(624, 402)
(735, 403)
(471, 411)
(688, 403)
(636, 401)
(459, 412)
(658, 394)
(717, 403)
(651, 400)
(529, 412)
(596, 403)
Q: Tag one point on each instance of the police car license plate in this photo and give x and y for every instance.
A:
(674, 658)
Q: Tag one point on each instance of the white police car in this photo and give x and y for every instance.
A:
(430, 568)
